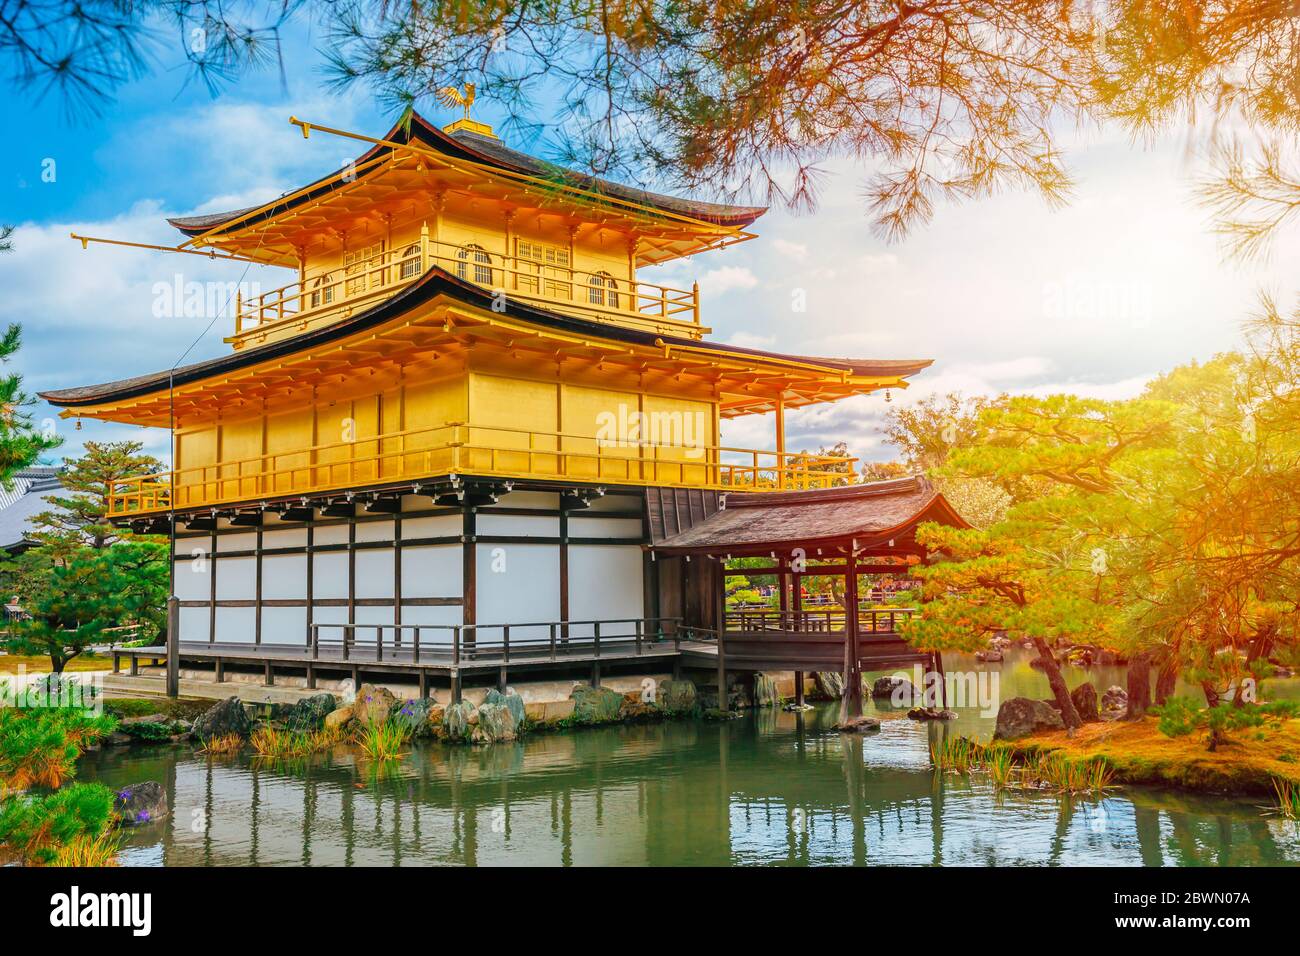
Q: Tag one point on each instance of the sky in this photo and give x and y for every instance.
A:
(1005, 294)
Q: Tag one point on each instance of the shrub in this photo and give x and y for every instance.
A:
(1180, 716)
(37, 829)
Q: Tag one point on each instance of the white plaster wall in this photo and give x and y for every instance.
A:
(605, 582)
(374, 573)
(284, 577)
(534, 526)
(284, 625)
(236, 625)
(517, 583)
(236, 579)
(432, 571)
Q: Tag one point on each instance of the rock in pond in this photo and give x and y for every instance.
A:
(496, 724)
(417, 717)
(140, 803)
(373, 704)
(859, 725)
(458, 721)
(338, 719)
(765, 693)
(595, 705)
(678, 696)
(227, 717)
(930, 713)
(830, 684)
(1020, 716)
(310, 712)
(899, 691)
(511, 700)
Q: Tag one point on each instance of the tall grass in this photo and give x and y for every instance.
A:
(1037, 771)
(87, 850)
(223, 746)
(382, 740)
(1288, 797)
(283, 744)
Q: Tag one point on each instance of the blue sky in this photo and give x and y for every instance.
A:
(1005, 294)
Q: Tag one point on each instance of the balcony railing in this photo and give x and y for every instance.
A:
(477, 450)
(326, 297)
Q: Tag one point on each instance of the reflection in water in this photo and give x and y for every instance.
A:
(771, 788)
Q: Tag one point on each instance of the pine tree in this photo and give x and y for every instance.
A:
(80, 518)
(20, 444)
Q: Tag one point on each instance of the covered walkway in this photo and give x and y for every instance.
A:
(841, 533)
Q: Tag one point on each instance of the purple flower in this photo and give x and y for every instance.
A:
(142, 816)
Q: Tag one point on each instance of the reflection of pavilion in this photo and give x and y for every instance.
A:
(782, 789)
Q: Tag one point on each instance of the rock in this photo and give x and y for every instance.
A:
(338, 719)
(118, 739)
(677, 696)
(496, 724)
(151, 719)
(989, 657)
(859, 725)
(830, 684)
(765, 694)
(930, 713)
(347, 691)
(459, 719)
(1084, 698)
(638, 705)
(373, 704)
(794, 708)
(509, 699)
(899, 691)
(1021, 716)
(417, 717)
(1115, 700)
(227, 717)
(310, 712)
(1000, 641)
(140, 803)
(595, 705)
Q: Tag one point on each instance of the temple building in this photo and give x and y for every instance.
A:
(467, 437)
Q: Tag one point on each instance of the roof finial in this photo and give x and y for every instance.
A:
(450, 96)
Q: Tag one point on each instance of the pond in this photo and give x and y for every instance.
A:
(769, 788)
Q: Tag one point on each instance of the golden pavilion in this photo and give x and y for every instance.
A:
(465, 429)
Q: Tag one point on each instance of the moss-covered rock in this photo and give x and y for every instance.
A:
(373, 704)
(227, 717)
(496, 724)
(309, 713)
(458, 721)
(595, 705)
(510, 700)
(419, 718)
(678, 697)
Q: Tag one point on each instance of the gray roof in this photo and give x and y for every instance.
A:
(26, 499)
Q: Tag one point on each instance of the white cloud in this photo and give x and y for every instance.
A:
(748, 341)
(723, 280)
(797, 251)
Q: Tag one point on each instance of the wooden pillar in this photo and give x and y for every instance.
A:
(212, 585)
(720, 620)
(851, 703)
(780, 443)
(469, 572)
(173, 647)
(257, 594)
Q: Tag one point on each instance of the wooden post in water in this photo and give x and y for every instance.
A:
(851, 702)
(173, 647)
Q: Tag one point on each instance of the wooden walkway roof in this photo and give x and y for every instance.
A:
(876, 517)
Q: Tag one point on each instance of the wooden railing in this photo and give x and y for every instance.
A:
(324, 297)
(870, 620)
(462, 448)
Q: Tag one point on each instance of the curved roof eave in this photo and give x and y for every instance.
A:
(437, 281)
(483, 149)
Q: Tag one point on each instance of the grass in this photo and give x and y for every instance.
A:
(87, 850)
(224, 745)
(382, 740)
(1138, 753)
(282, 744)
(40, 664)
(1288, 797)
(1059, 773)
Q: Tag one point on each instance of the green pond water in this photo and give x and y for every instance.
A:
(770, 788)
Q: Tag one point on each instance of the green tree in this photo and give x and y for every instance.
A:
(20, 444)
(74, 603)
(79, 519)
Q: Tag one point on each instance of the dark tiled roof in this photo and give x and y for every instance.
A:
(871, 514)
(438, 281)
(19, 504)
(476, 147)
